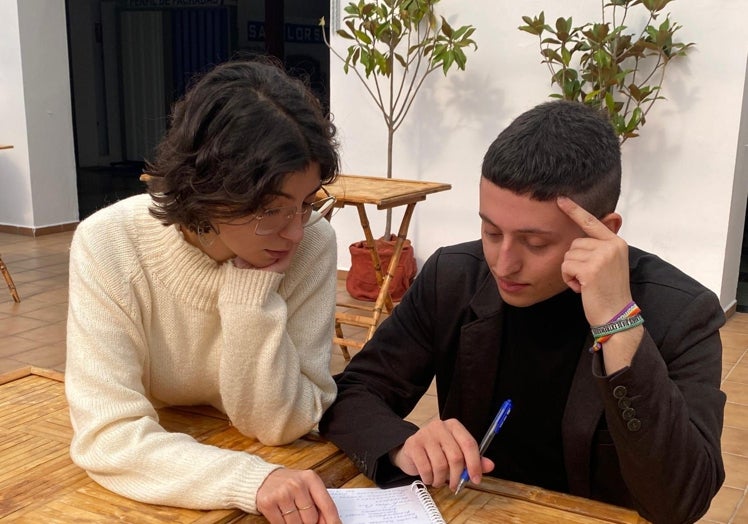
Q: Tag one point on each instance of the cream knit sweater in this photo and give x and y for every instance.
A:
(153, 322)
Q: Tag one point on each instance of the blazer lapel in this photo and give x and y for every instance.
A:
(581, 416)
(474, 374)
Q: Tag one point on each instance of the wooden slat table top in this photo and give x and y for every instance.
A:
(383, 192)
(496, 500)
(39, 482)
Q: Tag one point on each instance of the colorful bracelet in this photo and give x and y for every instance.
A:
(629, 317)
(617, 326)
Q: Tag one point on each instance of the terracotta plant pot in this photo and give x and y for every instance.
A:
(361, 281)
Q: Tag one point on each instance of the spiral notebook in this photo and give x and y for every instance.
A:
(411, 504)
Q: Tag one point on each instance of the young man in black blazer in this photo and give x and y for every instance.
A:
(611, 356)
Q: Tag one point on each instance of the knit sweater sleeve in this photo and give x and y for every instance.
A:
(275, 367)
(117, 437)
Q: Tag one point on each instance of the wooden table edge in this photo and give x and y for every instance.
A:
(26, 371)
(544, 497)
(424, 188)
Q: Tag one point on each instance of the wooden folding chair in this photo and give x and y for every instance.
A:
(9, 281)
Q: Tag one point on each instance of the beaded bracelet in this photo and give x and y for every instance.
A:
(629, 317)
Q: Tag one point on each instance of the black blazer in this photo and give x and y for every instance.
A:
(647, 437)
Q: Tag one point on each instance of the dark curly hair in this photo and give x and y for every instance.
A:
(559, 148)
(234, 136)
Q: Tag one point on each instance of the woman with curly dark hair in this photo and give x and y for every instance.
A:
(217, 287)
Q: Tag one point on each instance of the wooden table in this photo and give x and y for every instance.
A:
(39, 482)
(385, 194)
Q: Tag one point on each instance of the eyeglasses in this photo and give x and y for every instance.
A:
(274, 220)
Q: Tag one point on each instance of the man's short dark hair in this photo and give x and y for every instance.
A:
(233, 138)
(559, 148)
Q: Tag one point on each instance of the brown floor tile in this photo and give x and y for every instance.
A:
(736, 471)
(17, 324)
(741, 515)
(24, 277)
(736, 392)
(739, 372)
(736, 337)
(9, 364)
(731, 353)
(51, 356)
(735, 441)
(28, 301)
(736, 415)
(13, 345)
(54, 313)
(49, 334)
(337, 362)
(723, 505)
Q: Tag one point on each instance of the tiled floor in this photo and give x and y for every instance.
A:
(33, 333)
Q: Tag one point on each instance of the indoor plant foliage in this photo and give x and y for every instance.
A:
(394, 46)
(604, 65)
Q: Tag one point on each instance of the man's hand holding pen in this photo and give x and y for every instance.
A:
(439, 452)
(444, 451)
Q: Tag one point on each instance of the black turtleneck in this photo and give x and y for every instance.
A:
(540, 348)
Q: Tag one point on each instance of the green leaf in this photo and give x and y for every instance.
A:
(610, 103)
(446, 28)
(563, 26)
(633, 123)
(460, 58)
(565, 56)
(535, 26)
(636, 93)
(448, 61)
(363, 37)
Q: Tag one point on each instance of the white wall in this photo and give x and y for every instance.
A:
(38, 175)
(678, 176)
(15, 198)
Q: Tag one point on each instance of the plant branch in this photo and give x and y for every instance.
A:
(616, 71)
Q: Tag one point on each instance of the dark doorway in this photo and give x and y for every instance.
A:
(742, 292)
(131, 59)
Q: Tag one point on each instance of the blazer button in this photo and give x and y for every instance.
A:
(624, 403)
(619, 391)
(628, 414)
(634, 424)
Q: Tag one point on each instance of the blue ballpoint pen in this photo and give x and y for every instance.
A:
(504, 410)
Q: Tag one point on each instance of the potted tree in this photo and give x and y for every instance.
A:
(394, 46)
(604, 65)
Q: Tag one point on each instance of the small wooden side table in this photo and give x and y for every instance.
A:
(385, 193)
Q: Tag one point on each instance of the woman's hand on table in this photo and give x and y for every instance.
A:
(292, 496)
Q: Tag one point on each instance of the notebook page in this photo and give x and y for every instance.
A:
(400, 505)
